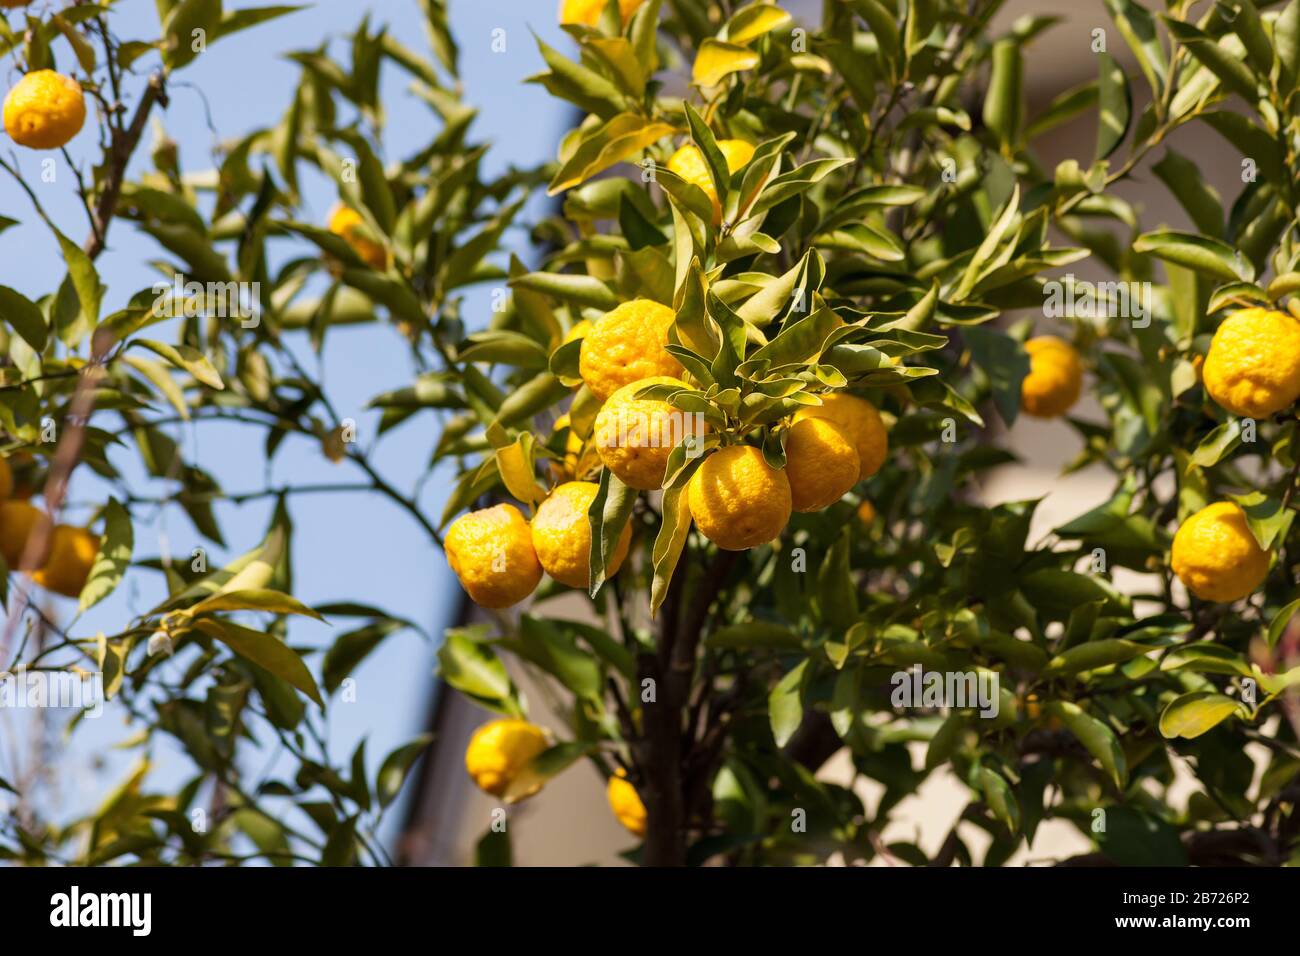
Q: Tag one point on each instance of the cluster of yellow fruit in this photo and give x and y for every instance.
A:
(1252, 370)
(44, 110)
(64, 555)
(737, 500)
(499, 760)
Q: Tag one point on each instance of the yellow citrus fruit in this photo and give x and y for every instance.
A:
(72, 552)
(626, 802)
(578, 331)
(572, 450)
(587, 12)
(859, 418)
(1055, 377)
(867, 513)
(492, 553)
(1216, 556)
(44, 110)
(634, 437)
(562, 534)
(738, 500)
(688, 163)
(347, 223)
(499, 754)
(1253, 367)
(6, 479)
(821, 462)
(627, 345)
(18, 519)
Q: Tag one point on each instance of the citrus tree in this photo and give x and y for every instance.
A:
(799, 277)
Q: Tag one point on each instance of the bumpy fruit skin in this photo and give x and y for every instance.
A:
(491, 552)
(18, 519)
(859, 418)
(347, 223)
(562, 534)
(688, 163)
(738, 500)
(634, 437)
(1216, 556)
(45, 110)
(1054, 380)
(821, 462)
(1253, 366)
(627, 345)
(72, 553)
(587, 12)
(498, 756)
(626, 803)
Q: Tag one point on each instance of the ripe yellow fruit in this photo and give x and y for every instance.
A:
(562, 534)
(347, 223)
(867, 513)
(45, 110)
(587, 12)
(491, 552)
(499, 754)
(6, 479)
(821, 462)
(688, 163)
(635, 437)
(1216, 556)
(72, 553)
(859, 418)
(18, 519)
(578, 331)
(1253, 367)
(738, 500)
(626, 802)
(1055, 377)
(627, 345)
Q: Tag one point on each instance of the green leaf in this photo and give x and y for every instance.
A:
(670, 541)
(1004, 104)
(755, 635)
(1277, 627)
(1114, 106)
(1217, 445)
(1205, 255)
(350, 649)
(253, 599)
(785, 704)
(1096, 738)
(1000, 799)
(1196, 713)
(1086, 657)
(1267, 519)
(266, 651)
(1226, 65)
(187, 358)
(586, 291)
(1199, 199)
(1286, 39)
(474, 669)
(393, 771)
(717, 60)
(114, 555)
(1005, 362)
(609, 514)
(1138, 29)
(24, 318)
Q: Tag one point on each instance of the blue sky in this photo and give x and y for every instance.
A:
(346, 547)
